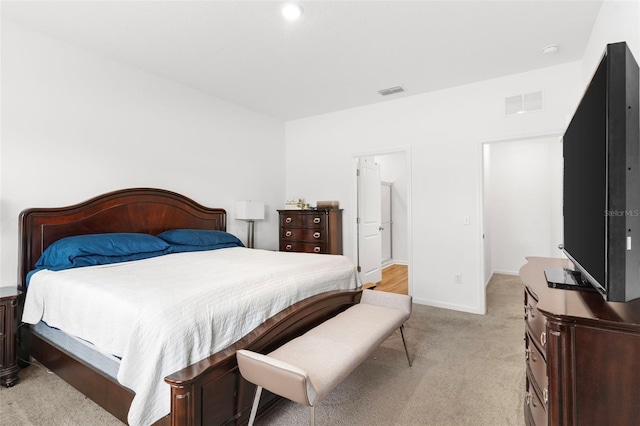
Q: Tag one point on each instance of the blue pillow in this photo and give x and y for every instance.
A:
(182, 240)
(100, 249)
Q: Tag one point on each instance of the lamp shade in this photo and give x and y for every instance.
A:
(249, 210)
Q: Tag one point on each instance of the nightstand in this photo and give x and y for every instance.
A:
(8, 328)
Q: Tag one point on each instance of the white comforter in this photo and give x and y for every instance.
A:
(164, 313)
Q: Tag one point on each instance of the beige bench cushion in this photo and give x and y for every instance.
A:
(307, 368)
(330, 352)
(278, 377)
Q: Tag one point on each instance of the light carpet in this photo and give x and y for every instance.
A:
(467, 369)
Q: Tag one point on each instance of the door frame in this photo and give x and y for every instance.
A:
(354, 203)
(481, 204)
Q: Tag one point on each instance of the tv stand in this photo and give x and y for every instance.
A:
(568, 279)
(581, 354)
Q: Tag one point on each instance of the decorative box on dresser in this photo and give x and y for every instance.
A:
(311, 231)
(582, 354)
(8, 329)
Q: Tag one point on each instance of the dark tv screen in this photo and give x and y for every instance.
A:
(585, 180)
(601, 184)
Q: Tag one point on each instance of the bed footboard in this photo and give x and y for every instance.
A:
(212, 391)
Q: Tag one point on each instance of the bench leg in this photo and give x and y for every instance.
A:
(254, 409)
(312, 415)
(406, 351)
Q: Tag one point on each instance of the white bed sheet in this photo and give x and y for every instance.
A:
(164, 313)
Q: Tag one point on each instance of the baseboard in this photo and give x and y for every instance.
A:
(505, 273)
(461, 308)
(395, 262)
(486, 283)
(500, 273)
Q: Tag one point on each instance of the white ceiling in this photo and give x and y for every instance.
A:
(337, 56)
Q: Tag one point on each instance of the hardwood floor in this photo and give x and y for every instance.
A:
(394, 280)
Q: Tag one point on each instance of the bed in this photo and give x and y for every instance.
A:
(207, 391)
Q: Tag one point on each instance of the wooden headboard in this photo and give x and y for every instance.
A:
(145, 210)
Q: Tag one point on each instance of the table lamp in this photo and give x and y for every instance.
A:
(250, 211)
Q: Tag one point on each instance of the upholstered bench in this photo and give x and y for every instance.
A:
(307, 368)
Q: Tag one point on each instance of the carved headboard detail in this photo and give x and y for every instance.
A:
(146, 210)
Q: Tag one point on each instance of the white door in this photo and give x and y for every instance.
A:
(369, 210)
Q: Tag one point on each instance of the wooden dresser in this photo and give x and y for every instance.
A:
(311, 231)
(582, 354)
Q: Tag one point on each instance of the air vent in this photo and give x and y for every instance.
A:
(391, 90)
(520, 104)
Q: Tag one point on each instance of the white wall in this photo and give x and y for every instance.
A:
(521, 202)
(444, 131)
(75, 125)
(617, 21)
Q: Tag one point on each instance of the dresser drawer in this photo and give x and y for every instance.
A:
(303, 247)
(307, 235)
(2, 312)
(313, 220)
(3, 332)
(535, 407)
(536, 322)
(2, 351)
(537, 366)
(311, 231)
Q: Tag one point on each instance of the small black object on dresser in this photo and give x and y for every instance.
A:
(8, 328)
(311, 231)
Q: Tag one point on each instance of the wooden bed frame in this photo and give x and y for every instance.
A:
(209, 392)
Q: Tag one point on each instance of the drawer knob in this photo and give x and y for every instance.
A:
(316, 235)
(288, 247)
(288, 233)
(529, 311)
(543, 338)
(316, 249)
(288, 220)
(316, 220)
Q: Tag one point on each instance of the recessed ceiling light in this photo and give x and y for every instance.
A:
(550, 50)
(291, 11)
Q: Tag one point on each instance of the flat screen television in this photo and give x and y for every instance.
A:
(601, 183)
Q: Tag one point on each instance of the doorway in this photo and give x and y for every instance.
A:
(521, 202)
(394, 243)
